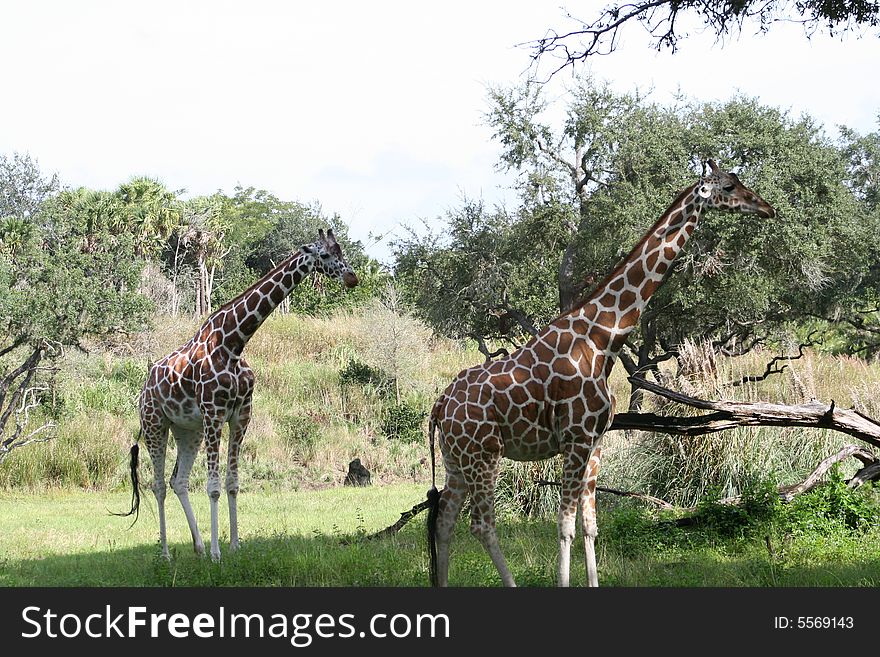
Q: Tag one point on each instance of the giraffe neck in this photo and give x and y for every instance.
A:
(240, 318)
(618, 303)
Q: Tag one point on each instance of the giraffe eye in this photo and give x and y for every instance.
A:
(729, 188)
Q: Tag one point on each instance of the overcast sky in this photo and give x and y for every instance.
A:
(374, 109)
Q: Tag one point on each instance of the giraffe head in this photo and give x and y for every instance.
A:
(329, 259)
(721, 190)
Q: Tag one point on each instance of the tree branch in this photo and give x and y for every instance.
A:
(730, 414)
(481, 345)
(771, 366)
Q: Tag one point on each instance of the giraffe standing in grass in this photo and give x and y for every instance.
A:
(207, 383)
(552, 396)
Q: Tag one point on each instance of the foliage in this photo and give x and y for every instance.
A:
(758, 503)
(261, 230)
(47, 280)
(481, 273)
(404, 421)
(834, 504)
(150, 212)
(590, 186)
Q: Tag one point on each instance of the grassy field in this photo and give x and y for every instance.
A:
(328, 390)
(66, 538)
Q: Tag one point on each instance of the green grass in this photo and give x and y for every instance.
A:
(322, 398)
(66, 538)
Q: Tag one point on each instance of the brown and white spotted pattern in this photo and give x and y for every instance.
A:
(552, 396)
(205, 384)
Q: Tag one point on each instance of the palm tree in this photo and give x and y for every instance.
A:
(202, 233)
(14, 233)
(152, 212)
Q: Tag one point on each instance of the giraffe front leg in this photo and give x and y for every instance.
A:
(213, 429)
(573, 481)
(588, 517)
(237, 428)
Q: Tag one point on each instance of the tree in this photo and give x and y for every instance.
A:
(62, 279)
(151, 212)
(588, 190)
(856, 313)
(663, 19)
(484, 275)
(202, 233)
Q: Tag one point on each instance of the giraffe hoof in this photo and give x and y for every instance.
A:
(215, 557)
(199, 549)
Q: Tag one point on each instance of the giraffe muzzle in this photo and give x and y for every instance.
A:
(766, 211)
(349, 279)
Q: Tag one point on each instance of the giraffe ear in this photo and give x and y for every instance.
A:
(307, 249)
(704, 191)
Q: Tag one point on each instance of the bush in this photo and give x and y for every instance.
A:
(403, 421)
(758, 504)
(301, 434)
(834, 505)
(357, 373)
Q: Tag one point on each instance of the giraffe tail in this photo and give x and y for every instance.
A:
(433, 508)
(135, 492)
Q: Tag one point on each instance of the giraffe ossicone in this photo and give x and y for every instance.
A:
(551, 396)
(206, 383)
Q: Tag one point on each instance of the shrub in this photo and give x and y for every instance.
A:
(301, 434)
(758, 504)
(403, 421)
(357, 373)
(834, 504)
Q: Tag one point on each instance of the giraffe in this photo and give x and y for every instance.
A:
(206, 383)
(552, 396)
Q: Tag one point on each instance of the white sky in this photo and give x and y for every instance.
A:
(374, 109)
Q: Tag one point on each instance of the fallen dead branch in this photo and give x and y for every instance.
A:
(731, 414)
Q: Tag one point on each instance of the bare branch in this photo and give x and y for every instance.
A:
(771, 366)
(730, 414)
(481, 345)
(11, 444)
(663, 504)
(788, 493)
(658, 17)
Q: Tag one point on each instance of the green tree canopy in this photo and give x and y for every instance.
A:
(591, 184)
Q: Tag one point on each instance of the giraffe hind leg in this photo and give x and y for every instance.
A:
(588, 518)
(574, 475)
(481, 485)
(451, 499)
(156, 440)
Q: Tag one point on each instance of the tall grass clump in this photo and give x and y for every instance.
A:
(685, 469)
